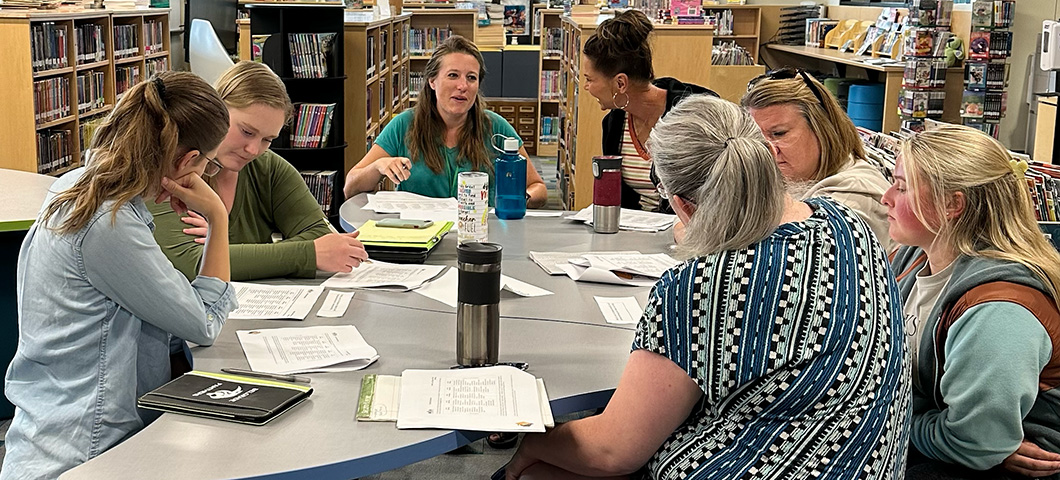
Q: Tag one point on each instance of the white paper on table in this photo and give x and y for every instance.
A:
(444, 288)
(325, 348)
(579, 273)
(376, 274)
(633, 220)
(653, 265)
(396, 202)
(489, 399)
(546, 407)
(438, 216)
(335, 304)
(548, 261)
(544, 213)
(264, 302)
(620, 310)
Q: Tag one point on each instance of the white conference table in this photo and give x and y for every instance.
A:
(563, 337)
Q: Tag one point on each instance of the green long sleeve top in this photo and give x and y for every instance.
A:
(270, 197)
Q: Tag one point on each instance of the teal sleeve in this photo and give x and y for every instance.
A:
(502, 127)
(392, 138)
(994, 355)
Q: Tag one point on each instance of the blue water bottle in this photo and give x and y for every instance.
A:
(510, 171)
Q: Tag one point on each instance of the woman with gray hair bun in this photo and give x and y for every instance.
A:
(773, 351)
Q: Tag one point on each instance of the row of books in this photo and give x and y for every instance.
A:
(88, 43)
(722, 20)
(989, 44)
(309, 53)
(311, 125)
(924, 73)
(985, 75)
(155, 65)
(550, 85)
(931, 13)
(423, 41)
(993, 13)
(48, 42)
(382, 98)
(415, 84)
(370, 55)
(921, 103)
(552, 41)
(154, 33)
(550, 127)
(51, 99)
(730, 53)
(1043, 182)
(989, 106)
(125, 78)
(321, 184)
(53, 151)
(927, 42)
(125, 42)
(90, 88)
(816, 29)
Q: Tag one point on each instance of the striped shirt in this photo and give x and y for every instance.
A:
(636, 168)
(797, 344)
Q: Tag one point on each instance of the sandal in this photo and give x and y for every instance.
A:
(502, 441)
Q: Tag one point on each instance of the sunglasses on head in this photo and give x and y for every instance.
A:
(788, 73)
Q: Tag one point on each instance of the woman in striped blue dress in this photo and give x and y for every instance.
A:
(775, 351)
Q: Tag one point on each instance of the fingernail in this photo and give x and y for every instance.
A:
(165, 181)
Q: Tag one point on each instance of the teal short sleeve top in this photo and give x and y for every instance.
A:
(422, 180)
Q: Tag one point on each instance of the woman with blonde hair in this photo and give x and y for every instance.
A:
(97, 301)
(979, 286)
(423, 149)
(262, 192)
(817, 146)
(774, 350)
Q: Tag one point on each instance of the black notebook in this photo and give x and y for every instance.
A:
(226, 397)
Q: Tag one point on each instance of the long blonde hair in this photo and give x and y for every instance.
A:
(155, 122)
(249, 83)
(426, 135)
(998, 219)
(710, 152)
(836, 134)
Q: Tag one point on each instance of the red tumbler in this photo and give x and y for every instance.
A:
(607, 193)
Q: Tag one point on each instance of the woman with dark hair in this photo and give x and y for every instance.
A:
(422, 150)
(617, 71)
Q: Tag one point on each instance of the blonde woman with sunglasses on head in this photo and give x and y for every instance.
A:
(979, 287)
(816, 145)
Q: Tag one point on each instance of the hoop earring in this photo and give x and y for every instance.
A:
(622, 107)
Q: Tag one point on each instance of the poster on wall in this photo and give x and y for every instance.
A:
(515, 19)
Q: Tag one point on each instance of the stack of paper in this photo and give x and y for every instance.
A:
(257, 302)
(619, 268)
(403, 277)
(634, 220)
(444, 289)
(489, 399)
(550, 261)
(397, 202)
(327, 348)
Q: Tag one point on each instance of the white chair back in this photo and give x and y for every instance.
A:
(207, 55)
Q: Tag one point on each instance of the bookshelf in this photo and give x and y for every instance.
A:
(428, 25)
(84, 66)
(580, 114)
(745, 26)
(281, 50)
(549, 20)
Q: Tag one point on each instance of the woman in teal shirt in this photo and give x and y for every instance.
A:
(423, 149)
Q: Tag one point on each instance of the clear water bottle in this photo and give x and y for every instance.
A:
(510, 173)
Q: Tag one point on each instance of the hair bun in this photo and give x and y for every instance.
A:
(627, 30)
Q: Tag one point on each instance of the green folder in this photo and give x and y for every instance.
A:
(401, 245)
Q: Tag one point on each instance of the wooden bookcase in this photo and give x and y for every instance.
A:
(18, 128)
(279, 19)
(551, 61)
(580, 137)
(462, 22)
(747, 22)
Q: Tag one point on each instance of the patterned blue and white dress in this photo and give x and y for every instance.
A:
(797, 344)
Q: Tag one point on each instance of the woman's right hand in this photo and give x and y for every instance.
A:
(339, 252)
(397, 169)
(191, 192)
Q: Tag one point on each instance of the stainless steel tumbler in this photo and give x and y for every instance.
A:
(478, 315)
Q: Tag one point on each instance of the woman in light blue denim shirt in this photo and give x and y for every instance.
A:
(97, 300)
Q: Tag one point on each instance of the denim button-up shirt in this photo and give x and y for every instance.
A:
(96, 312)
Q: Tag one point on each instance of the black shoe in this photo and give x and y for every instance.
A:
(502, 441)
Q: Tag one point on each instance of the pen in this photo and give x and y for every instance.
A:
(272, 376)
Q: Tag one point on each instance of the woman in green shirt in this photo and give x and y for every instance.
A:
(263, 193)
(449, 131)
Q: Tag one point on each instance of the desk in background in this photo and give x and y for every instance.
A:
(24, 193)
(891, 76)
(563, 337)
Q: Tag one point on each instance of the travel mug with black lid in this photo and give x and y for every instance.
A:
(478, 315)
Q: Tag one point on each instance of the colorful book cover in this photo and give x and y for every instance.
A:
(972, 104)
(975, 75)
(515, 19)
(685, 7)
(979, 44)
(982, 13)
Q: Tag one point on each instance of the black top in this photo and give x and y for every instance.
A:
(615, 121)
(478, 253)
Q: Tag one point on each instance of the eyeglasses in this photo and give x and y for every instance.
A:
(788, 73)
(213, 167)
